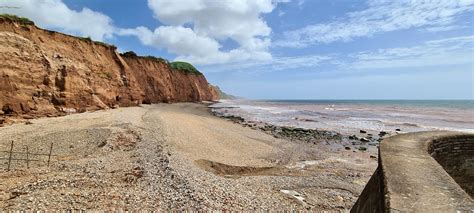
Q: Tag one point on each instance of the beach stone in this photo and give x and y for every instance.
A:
(382, 133)
(362, 131)
(398, 130)
(27, 117)
(364, 139)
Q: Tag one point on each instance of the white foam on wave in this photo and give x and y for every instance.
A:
(348, 118)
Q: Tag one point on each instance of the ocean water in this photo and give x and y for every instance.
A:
(350, 116)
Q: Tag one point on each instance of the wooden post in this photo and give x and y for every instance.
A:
(27, 158)
(50, 151)
(10, 157)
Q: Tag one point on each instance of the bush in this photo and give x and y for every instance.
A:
(184, 66)
(86, 39)
(129, 54)
(14, 18)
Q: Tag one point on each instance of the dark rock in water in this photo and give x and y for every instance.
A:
(304, 119)
(234, 118)
(353, 137)
(363, 131)
(347, 148)
(398, 130)
(362, 148)
(382, 133)
(364, 139)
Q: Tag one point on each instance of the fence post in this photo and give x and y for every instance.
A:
(10, 157)
(27, 158)
(50, 151)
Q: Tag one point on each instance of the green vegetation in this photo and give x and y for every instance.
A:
(86, 39)
(130, 54)
(14, 18)
(103, 44)
(176, 65)
(89, 40)
(156, 59)
(184, 66)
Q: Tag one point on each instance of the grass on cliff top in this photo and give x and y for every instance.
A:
(184, 66)
(132, 54)
(14, 18)
(177, 65)
(88, 39)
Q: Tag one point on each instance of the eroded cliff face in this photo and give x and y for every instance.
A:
(45, 73)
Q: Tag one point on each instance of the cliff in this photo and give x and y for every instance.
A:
(46, 73)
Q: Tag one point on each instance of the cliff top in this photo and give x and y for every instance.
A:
(175, 65)
(17, 19)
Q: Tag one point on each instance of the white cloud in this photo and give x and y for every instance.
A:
(275, 64)
(179, 40)
(443, 52)
(381, 16)
(201, 26)
(56, 14)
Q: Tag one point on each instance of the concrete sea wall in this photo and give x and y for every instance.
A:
(422, 172)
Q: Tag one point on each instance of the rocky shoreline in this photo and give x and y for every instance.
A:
(361, 141)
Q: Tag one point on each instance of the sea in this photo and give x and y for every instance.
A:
(349, 116)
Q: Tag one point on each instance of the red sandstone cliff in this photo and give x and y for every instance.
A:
(45, 73)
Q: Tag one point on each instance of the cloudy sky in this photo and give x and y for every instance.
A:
(288, 49)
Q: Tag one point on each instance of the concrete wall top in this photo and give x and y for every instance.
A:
(414, 181)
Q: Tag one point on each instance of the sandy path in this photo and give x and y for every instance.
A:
(174, 156)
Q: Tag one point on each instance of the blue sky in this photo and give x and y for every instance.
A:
(288, 49)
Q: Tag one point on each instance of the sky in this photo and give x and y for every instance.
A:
(288, 49)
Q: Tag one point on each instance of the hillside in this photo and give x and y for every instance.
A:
(46, 73)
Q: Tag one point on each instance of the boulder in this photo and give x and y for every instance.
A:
(362, 131)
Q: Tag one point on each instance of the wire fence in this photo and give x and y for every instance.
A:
(25, 156)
